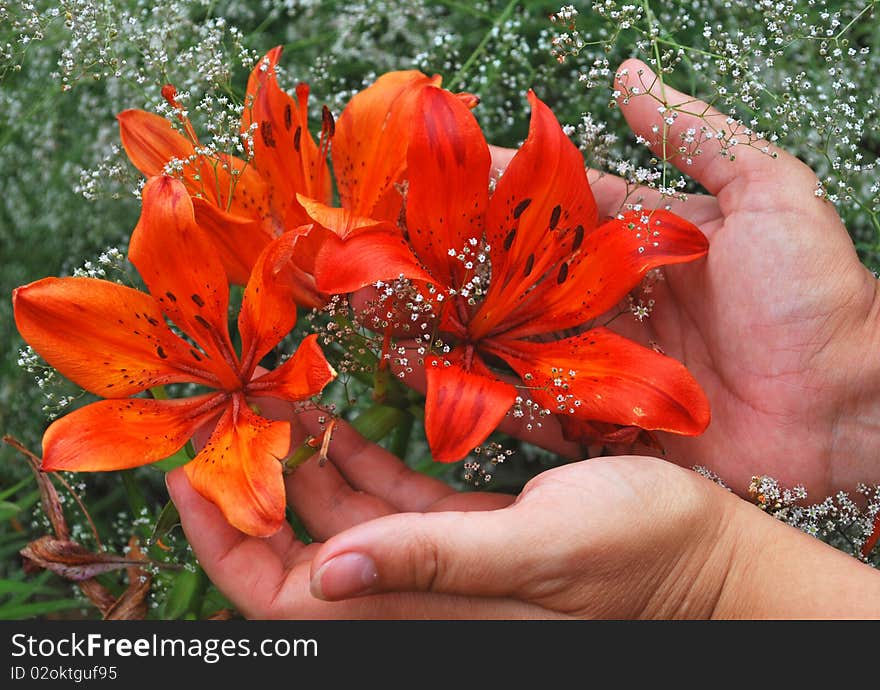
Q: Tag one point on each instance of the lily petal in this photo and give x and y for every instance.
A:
(369, 149)
(119, 434)
(268, 310)
(239, 470)
(540, 210)
(303, 375)
(284, 152)
(599, 375)
(110, 339)
(228, 183)
(151, 142)
(347, 265)
(340, 221)
(237, 239)
(612, 261)
(448, 191)
(462, 407)
(184, 272)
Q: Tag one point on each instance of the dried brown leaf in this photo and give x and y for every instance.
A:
(132, 605)
(71, 560)
(48, 495)
(98, 594)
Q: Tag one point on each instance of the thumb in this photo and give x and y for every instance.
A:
(713, 148)
(485, 553)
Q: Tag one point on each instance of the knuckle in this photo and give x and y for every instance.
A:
(425, 563)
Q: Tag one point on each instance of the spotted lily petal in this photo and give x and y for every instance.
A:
(303, 375)
(183, 271)
(347, 265)
(612, 261)
(284, 152)
(369, 149)
(599, 375)
(268, 310)
(463, 406)
(449, 183)
(110, 339)
(239, 470)
(119, 434)
(237, 239)
(539, 213)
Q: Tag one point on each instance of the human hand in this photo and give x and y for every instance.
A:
(634, 521)
(623, 537)
(780, 322)
(269, 578)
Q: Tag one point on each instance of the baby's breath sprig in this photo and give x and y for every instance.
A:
(789, 72)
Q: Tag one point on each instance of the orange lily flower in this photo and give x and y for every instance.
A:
(114, 342)
(243, 205)
(369, 154)
(508, 272)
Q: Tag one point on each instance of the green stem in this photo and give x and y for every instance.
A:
(652, 20)
(401, 435)
(866, 8)
(455, 82)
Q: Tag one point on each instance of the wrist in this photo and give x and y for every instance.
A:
(776, 571)
(699, 564)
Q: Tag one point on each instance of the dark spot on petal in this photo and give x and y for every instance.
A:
(554, 216)
(508, 241)
(530, 263)
(202, 321)
(171, 296)
(297, 136)
(153, 322)
(520, 207)
(578, 237)
(266, 133)
(198, 300)
(288, 117)
(328, 124)
(563, 274)
(161, 352)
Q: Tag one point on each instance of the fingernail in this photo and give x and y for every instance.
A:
(347, 575)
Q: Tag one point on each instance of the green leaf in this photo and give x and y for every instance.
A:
(16, 487)
(168, 519)
(8, 510)
(135, 495)
(12, 548)
(179, 459)
(39, 608)
(19, 587)
(22, 503)
(185, 595)
(376, 422)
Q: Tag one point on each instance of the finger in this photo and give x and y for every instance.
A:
(493, 553)
(649, 106)
(372, 469)
(612, 193)
(295, 600)
(248, 570)
(326, 503)
(501, 158)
